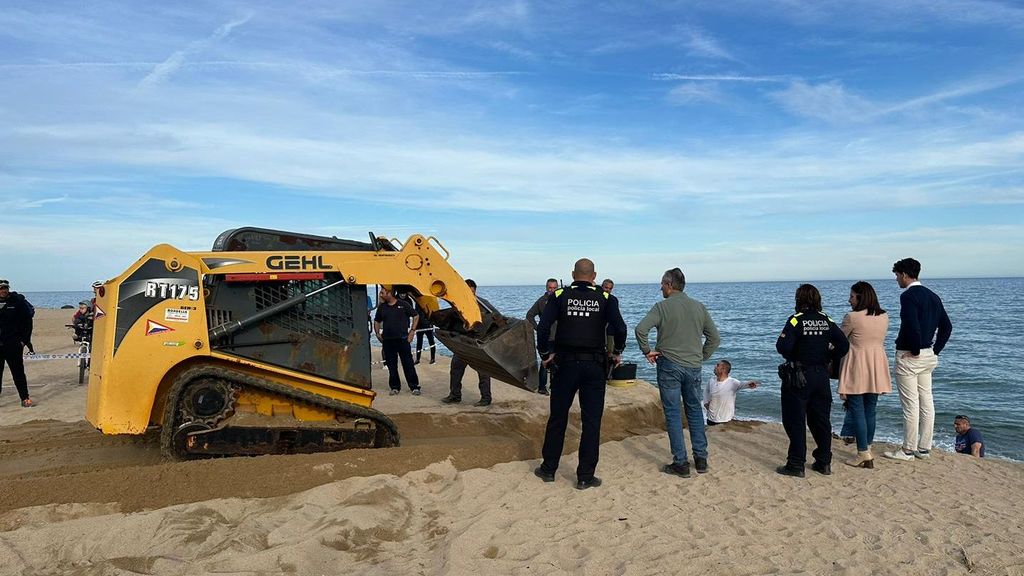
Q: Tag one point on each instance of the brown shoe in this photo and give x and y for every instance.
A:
(863, 460)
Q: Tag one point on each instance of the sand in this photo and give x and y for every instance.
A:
(459, 497)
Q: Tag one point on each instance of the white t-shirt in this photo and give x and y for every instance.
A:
(721, 398)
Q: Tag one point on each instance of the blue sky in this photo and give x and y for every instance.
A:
(742, 140)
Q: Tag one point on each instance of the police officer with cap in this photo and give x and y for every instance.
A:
(583, 311)
(808, 341)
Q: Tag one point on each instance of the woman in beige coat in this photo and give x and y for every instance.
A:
(864, 372)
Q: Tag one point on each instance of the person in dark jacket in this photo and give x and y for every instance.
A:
(425, 329)
(15, 337)
(583, 311)
(458, 365)
(532, 315)
(924, 331)
(808, 341)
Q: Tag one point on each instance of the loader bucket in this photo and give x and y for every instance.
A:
(502, 348)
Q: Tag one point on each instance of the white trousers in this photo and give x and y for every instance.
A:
(914, 382)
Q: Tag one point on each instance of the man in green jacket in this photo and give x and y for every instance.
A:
(686, 337)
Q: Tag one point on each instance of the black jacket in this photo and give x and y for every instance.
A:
(806, 338)
(15, 320)
(583, 312)
(922, 318)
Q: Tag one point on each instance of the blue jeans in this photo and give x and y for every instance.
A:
(862, 412)
(847, 431)
(677, 382)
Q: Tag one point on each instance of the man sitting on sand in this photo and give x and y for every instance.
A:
(720, 393)
(968, 440)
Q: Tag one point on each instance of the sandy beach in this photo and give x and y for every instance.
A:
(459, 497)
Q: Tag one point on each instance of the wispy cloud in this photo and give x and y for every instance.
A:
(879, 15)
(26, 204)
(829, 101)
(833, 102)
(700, 43)
(163, 70)
(672, 77)
(504, 175)
(693, 92)
(960, 90)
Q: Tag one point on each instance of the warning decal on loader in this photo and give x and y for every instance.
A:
(156, 328)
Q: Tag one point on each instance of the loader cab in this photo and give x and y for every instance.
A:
(326, 336)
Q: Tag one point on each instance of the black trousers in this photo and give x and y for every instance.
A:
(419, 344)
(12, 356)
(458, 370)
(395, 349)
(810, 407)
(588, 378)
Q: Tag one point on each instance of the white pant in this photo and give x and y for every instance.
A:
(914, 382)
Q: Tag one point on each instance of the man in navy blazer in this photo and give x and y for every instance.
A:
(924, 331)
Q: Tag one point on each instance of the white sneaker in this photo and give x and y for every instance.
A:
(899, 455)
(922, 454)
(394, 392)
(416, 392)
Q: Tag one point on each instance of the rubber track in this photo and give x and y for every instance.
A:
(168, 428)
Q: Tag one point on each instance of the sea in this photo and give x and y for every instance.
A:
(977, 374)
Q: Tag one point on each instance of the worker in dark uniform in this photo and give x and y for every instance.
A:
(579, 362)
(15, 336)
(458, 365)
(808, 342)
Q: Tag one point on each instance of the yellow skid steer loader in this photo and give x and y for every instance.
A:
(261, 346)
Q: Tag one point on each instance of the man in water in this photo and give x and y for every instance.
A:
(968, 440)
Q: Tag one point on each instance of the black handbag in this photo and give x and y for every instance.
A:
(834, 364)
(833, 369)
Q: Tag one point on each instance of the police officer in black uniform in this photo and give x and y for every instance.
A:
(580, 361)
(808, 341)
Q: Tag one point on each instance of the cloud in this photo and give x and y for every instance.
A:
(496, 175)
(507, 14)
(694, 92)
(829, 101)
(833, 102)
(26, 204)
(959, 90)
(879, 15)
(691, 40)
(164, 70)
(702, 44)
(511, 49)
(671, 77)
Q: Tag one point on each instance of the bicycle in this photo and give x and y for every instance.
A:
(83, 335)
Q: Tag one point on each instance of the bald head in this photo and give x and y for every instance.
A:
(584, 270)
